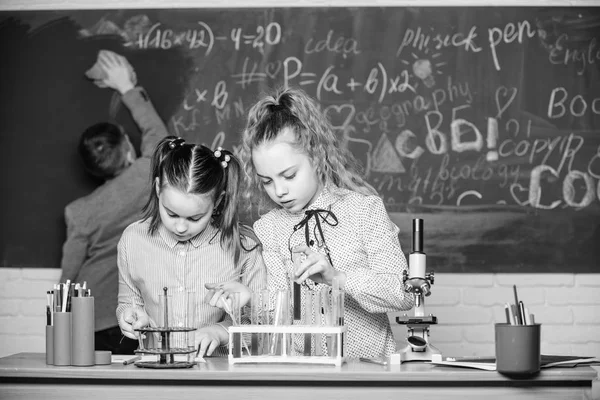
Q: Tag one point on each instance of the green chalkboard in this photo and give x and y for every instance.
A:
(484, 121)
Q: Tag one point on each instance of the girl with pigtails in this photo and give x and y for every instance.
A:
(189, 236)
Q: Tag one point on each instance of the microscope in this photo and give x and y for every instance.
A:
(419, 283)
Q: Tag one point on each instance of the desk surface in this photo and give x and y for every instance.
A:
(33, 365)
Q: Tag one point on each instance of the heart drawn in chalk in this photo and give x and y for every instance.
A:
(344, 111)
(516, 190)
(272, 69)
(506, 95)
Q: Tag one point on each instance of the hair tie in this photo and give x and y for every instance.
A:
(176, 143)
(223, 158)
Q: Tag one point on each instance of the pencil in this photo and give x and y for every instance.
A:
(132, 360)
(522, 313)
(517, 314)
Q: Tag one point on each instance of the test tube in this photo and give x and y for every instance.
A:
(264, 319)
(337, 299)
(255, 320)
(338, 296)
(328, 314)
(296, 289)
(338, 320)
(164, 300)
(308, 309)
(139, 334)
(317, 315)
(280, 318)
(235, 314)
(190, 321)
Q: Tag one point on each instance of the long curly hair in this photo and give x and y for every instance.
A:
(294, 109)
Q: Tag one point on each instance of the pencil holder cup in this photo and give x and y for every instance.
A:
(62, 338)
(49, 344)
(82, 345)
(518, 349)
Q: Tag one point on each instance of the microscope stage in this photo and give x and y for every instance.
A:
(405, 319)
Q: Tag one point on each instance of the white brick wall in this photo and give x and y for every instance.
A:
(467, 306)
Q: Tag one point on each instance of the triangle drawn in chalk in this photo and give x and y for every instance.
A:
(385, 159)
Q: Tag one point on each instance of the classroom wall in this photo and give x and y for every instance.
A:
(467, 305)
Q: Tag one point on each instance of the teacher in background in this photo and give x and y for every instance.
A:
(95, 222)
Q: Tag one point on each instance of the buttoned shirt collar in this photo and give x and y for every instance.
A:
(207, 234)
(324, 200)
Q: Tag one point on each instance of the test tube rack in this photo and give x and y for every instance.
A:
(239, 355)
(166, 353)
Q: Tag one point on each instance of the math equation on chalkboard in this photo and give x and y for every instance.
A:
(483, 121)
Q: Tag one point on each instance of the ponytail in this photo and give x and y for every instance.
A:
(227, 211)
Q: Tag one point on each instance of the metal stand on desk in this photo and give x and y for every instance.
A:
(165, 352)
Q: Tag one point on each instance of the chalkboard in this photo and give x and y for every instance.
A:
(483, 121)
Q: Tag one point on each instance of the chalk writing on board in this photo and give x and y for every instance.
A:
(338, 44)
(481, 115)
(399, 98)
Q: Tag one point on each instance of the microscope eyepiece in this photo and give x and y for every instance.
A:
(417, 243)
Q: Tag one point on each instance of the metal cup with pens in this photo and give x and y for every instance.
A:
(517, 342)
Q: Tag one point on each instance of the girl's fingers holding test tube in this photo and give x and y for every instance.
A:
(143, 320)
(213, 297)
(316, 266)
(226, 289)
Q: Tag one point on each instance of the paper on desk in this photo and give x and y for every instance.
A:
(486, 366)
(489, 363)
(567, 361)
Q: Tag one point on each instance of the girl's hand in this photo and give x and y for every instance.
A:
(314, 265)
(219, 294)
(209, 338)
(132, 319)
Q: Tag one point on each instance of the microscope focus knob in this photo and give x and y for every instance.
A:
(430, 277)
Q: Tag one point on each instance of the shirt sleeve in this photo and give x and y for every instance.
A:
(253, 270)
(74, 249)
(378, 286)
(145, 116)
(129, 294)
(253, 273)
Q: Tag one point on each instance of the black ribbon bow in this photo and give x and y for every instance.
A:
(319, 214)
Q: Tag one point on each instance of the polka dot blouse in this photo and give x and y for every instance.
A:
(363, 244)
